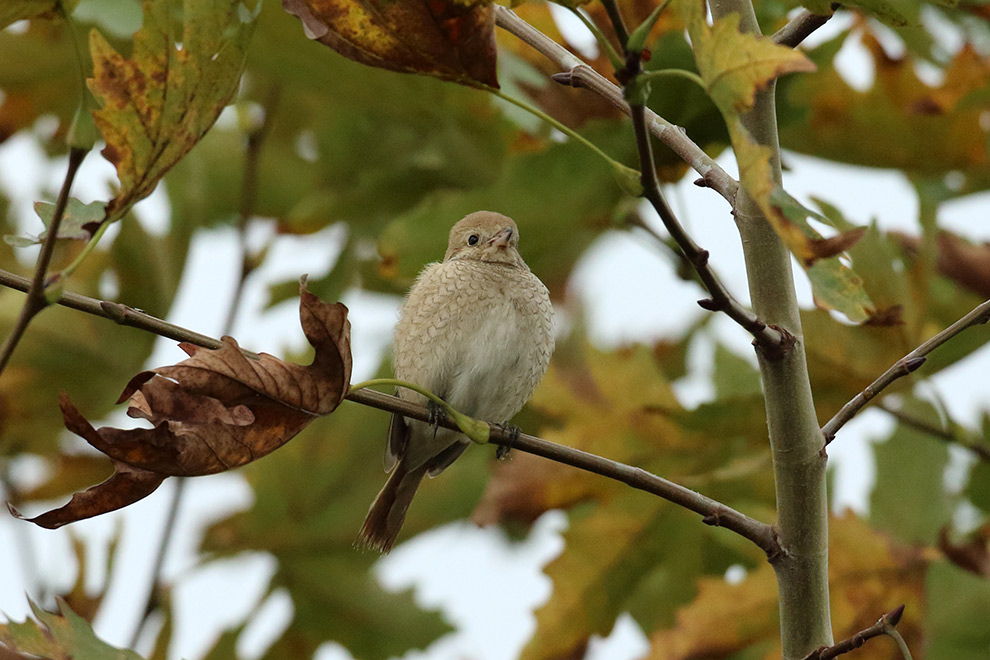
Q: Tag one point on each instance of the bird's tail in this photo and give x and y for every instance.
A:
(388, 511)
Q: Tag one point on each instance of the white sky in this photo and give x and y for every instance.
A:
(468, 572)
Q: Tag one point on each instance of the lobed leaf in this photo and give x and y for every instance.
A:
(59, 636)
(157, 104)
(448, 39)
(215, 411)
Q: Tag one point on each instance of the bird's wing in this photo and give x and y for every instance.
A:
(398, 440)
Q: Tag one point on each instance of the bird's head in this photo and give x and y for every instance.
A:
(485, 236)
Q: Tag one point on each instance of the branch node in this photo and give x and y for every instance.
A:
(114, 311)
(709, 304)
(701, 259)
(566, 78)
(775, 350)
(701, 182)
(913, 363)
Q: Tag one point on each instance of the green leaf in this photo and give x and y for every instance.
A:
(898, 13)
(159, 103)
(60, 636)
(446, 39)
(909, 499)
(978, 487)
(562, 198)
(734, 377)
(733, 65)
(957, 603)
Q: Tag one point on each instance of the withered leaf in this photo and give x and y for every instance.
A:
(448, 39)
(212, 412)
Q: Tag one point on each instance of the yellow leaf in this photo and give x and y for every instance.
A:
(157, 104)
(452, 40)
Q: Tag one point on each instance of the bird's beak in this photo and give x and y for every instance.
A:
(502, 238)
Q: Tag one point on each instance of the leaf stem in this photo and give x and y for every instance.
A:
(576, 73)
(36, 300)
(85, 252)
(603, 42)
(715, 513)
(674, 73)
(477, 430)
(622, 172)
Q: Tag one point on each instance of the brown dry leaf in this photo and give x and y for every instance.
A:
(445, 39)
(973, 553)
(215, 411)
(958, 259)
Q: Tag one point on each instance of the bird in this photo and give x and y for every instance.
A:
(476, 329)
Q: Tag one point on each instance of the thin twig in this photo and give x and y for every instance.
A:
(770, 340)
(26, 555)
(715, 513)
(904, 366)
(249, 196)
(884, 626)
(36, 300)
(615, 17)
(577, 73)
(799, 28)
(950, 436)
(153, 600)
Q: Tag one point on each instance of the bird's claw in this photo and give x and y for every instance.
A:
(513, 432)
(437, 415)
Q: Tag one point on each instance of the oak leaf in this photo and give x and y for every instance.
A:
(215, 411)
(448, 39)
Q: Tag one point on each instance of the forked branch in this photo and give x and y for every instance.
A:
(576, 73)
(715, 513)
(884, 626)
(904, 366)
(36, 300)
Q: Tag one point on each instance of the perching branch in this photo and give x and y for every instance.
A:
(904, 366)
(799, 28)
(36, 300)
(576, 73)
(884, 626)
(715, 513)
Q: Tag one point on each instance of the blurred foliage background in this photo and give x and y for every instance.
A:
(317, 141)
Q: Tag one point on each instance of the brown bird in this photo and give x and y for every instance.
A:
(476, 330)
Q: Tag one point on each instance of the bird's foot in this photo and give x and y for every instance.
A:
(513, 432)
(438, 415)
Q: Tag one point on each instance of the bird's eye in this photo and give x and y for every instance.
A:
(473, 240)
